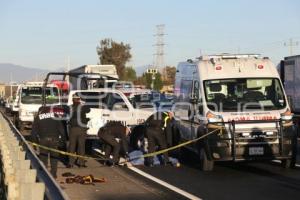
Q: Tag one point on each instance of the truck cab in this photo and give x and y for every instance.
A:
(30, 99)
(239, 99)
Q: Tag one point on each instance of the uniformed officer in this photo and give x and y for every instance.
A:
(48, 131)
(157, 133)
(113, 134)
(77, 132)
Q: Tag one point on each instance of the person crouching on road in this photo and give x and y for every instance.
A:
(48, 131)
(113, 135)
(77, 133)
(157, 128)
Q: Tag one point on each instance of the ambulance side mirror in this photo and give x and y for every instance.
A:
(200, 109)
(195, 92)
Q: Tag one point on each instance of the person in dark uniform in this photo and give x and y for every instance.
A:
(113, 134)
(157, 129)
(48, 130)
(77, 132)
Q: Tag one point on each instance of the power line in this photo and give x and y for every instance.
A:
(291, 44)
(159, 55)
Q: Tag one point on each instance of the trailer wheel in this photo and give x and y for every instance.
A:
(205, 163)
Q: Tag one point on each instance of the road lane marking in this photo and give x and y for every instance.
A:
(278, 161)
(165, 184)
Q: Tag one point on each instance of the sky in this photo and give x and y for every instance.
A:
(44, 34)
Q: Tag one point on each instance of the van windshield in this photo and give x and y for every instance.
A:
(33, 95)
(244, 94)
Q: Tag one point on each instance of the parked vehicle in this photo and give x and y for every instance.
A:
(290, 76)
(152, 100)
(108, 77)
(241, 98)
(108, 105)
(14, 105)
(30, 99)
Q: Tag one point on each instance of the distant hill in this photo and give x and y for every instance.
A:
(16, 73)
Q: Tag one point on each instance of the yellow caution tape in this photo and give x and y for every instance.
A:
(64, 152)
(176, 146)
(143, 156)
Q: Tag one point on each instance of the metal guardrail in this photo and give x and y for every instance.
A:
(24, 175)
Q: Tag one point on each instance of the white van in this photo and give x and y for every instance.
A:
(30, 99)
(242, 95)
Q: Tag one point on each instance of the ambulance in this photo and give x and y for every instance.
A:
(238, 101)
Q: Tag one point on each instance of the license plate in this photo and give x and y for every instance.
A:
(256, 151)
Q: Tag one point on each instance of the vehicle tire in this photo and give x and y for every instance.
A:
(205, 163)
(286, 163)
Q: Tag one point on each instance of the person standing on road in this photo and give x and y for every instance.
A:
(48, 131)
(77, 133)
(157, 128)
(114, 134)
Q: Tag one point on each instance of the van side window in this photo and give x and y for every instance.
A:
(185, 89)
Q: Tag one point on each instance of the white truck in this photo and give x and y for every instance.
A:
(241, 98)
(108, 105)
(30, 99)
(108, 73)
(14, 105)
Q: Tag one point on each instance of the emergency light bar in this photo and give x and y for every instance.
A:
(229, 56)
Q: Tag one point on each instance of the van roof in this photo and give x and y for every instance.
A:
(228, 56)
(222, 66)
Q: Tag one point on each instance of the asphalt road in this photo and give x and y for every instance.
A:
(245, 180)
(121, 183)
(251, 180)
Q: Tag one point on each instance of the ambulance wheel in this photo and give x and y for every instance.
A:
(205, 163)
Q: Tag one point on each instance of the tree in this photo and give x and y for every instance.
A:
(158, 84)
(146, 79)
(169, 75)
(129, 74)
(111, 52)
